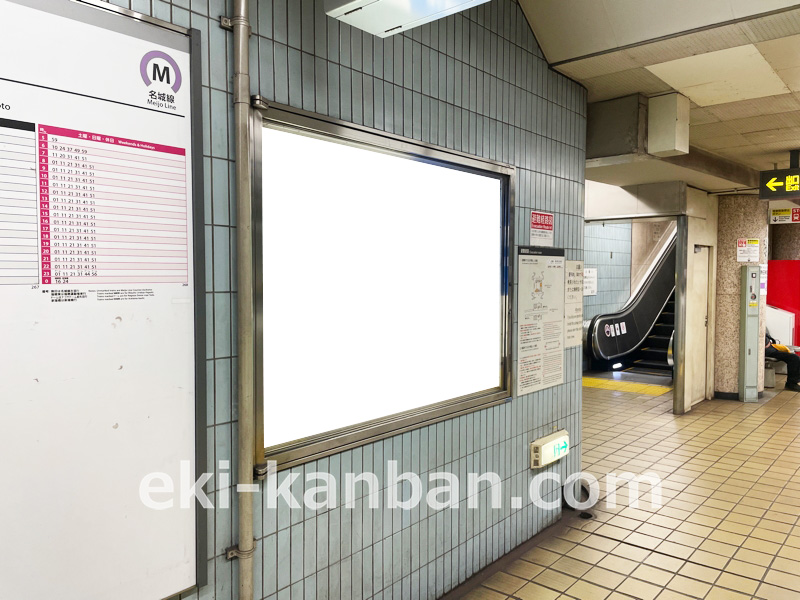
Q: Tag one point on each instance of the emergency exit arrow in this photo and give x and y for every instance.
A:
(773, 183)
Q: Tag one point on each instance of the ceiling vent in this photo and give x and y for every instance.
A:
(387, 17)
(668, 125)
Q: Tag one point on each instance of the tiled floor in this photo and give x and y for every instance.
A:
(728, 527)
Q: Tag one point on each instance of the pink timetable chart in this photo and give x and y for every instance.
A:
(111, 210)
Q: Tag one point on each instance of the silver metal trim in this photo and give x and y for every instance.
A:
(670, 356)
(301, 451)
(681, 278)
(105, 5)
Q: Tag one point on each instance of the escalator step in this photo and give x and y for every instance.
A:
(649, 371)
(653, 364)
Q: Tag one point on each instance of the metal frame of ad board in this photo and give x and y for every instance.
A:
(291, 119)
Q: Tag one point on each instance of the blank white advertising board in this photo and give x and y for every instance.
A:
(101, 320)
(363, 306)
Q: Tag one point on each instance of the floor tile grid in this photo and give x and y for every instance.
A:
(683, 534)
(700, 573)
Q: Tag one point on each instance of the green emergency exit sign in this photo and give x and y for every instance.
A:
(780, 183)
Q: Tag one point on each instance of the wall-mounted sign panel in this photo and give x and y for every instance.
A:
(747, 250)
(542, 228)
(101, 284)
(573, 304)
(540, 319)
(781, 216)
(590, 281)
(779, 183)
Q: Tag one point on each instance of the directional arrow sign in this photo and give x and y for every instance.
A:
(773, 184)
(779, 184)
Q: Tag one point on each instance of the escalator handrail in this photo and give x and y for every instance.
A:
(632, 302)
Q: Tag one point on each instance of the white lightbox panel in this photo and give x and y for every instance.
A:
(381, 284)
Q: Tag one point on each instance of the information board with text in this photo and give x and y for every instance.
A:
(102, 295)
(573, 303)
(540, 314)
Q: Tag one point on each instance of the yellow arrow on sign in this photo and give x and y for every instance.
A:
(773, 183)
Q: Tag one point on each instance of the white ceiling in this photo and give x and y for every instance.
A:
(738, 61)
(569, 29)
(730, 75)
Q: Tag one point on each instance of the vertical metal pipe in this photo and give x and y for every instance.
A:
(245, 311)
(679, 345)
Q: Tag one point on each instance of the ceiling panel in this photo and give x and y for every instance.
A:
(772, 27)
(718, 143)
(751, 108)
(615, 85)
(775, 135)
(637, 20)
(570, 29)
(688, 45)
(743, 78)
(783, 53)
(701, 116)
(567, 29)
(765, 122)
(710, 130)
(738, 73)
(599, 65)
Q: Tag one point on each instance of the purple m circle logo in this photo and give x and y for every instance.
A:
(160, 74)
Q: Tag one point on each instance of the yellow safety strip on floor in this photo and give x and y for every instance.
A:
(625, 386)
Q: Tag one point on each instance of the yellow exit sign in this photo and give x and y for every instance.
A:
(780, 183)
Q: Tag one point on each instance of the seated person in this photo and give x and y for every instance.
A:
(792, 363)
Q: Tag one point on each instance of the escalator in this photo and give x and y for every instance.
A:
(638, 338)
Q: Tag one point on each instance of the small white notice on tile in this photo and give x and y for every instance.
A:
(747, 250)
(590, 281)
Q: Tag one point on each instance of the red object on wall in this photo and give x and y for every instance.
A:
(783, 290)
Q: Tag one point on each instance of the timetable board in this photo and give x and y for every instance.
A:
(101, 289)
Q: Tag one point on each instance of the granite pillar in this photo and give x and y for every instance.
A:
(739, 217)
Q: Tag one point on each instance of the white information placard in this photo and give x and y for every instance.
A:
(573, 303)
(747, 250)
(590, 281)
(540, 314)
(101, 315)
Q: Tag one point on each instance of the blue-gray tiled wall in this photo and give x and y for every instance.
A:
(607, 247)
(475, 82)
